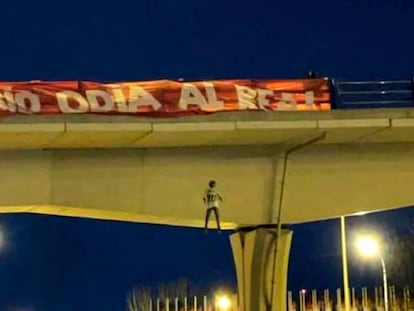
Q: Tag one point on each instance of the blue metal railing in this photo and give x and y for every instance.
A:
(372, 94)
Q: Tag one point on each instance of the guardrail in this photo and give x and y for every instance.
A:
(372, 94)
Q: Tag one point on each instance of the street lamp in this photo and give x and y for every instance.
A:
(345, 266)
(223, 303)
(345, 261)
(369, 247)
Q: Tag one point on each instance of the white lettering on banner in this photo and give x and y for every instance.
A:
(246, 97)
(64, 106)
(118, 97)
(191, 95)
(28, 102)
(212, 100)
(253, 98)
(263, 97)
(94, 104)
(23, 101)
(121, 100)
(139, 97)
(287, 102)
(7, 101)
(309, 99)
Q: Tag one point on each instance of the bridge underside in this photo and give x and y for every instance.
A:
(165, 185)
(155, 170)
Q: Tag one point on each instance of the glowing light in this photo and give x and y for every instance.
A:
(223, 303)
(368, 246)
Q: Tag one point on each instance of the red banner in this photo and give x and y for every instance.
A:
(162, 98)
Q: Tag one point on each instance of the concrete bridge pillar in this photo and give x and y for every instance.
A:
(261, 268)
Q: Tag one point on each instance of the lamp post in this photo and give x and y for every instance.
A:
(369, 247)
(345, 266)
(345, 274)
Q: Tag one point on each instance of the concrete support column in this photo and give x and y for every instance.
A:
(258, 264)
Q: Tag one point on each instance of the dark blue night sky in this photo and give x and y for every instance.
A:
(51, 263)
(127, 40)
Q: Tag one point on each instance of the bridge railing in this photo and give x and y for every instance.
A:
(372, 94)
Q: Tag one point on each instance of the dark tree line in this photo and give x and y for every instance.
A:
(398, 253)
(140, 298)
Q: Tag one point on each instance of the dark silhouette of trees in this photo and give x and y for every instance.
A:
(140, 298)
(398, 252)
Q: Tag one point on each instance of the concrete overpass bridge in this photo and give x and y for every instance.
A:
(271, 167)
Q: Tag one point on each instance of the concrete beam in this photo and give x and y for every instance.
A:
(322, 181)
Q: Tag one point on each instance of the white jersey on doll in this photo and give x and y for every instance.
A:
(212, 198)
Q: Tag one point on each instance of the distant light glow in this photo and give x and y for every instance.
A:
(368, 246)
(303, 291)
(223, 303)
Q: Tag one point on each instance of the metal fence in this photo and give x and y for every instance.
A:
(363, 299)
(204, 303)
